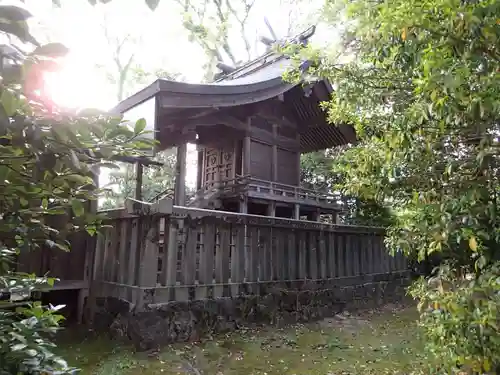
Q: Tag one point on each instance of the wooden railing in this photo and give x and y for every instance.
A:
(195, 254)
(290, 191)
(270, 188)
(215, 190)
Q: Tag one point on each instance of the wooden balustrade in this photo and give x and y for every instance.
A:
(271, 189)
(292, 192)
(197, 254)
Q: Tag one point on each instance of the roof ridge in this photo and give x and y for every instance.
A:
(303, 36)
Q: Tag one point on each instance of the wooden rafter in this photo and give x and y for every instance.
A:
(276, 112)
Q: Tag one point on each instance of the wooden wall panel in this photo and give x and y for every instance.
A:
(261, 160)
(287, 167)
(57, 263)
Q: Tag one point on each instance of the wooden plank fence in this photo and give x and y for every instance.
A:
(196, 254)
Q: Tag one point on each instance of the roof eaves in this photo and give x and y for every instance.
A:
(146, 93)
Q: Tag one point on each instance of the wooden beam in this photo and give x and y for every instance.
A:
(247, 142)
(267, 138)
(187, 114)
(216, 119)
(276, 111)
(275, 153)
(137, 159)
(180, 178)
(137, 207)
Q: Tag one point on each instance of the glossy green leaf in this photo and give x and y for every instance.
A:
(9, 102)
(140, 125)
(78, 208)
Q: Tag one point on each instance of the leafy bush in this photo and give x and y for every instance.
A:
(460, 318)
(48, 163)
(419, 81)
(324, 171)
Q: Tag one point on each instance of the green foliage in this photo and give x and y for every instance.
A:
(460, 319)
(316, 170)
(48, 163)
(156, 181)
(24, 347)
(325, 171)
(420, 82)
(367, 212)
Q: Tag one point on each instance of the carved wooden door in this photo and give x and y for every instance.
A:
(218, 166)
(211, 169)
(226, 165)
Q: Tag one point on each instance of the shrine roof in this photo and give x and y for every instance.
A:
(188, 95)
(257, 81)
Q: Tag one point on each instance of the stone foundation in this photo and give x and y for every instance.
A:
(186, 321)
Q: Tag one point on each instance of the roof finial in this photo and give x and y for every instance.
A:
(267, 41)
(269, 27)
(304, 36)
(226, 69)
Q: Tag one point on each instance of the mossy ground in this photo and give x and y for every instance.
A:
(384, 341)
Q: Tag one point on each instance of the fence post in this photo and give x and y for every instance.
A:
(148, 266)
(147, 251)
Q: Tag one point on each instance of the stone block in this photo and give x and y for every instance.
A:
(185, 321)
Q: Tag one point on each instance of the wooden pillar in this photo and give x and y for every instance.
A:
(138, 181)
(316, 215)
(180, 178)
(296, 211)
(246, 165)
(199, 172)
(275, 153)
(233, 160)
(246, 155)
(336, 218)
(298, 159)
(243, 205)
(271, 209)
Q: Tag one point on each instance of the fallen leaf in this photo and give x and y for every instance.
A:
(403, 33)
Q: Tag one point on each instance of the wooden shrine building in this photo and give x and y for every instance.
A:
(250, 127)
